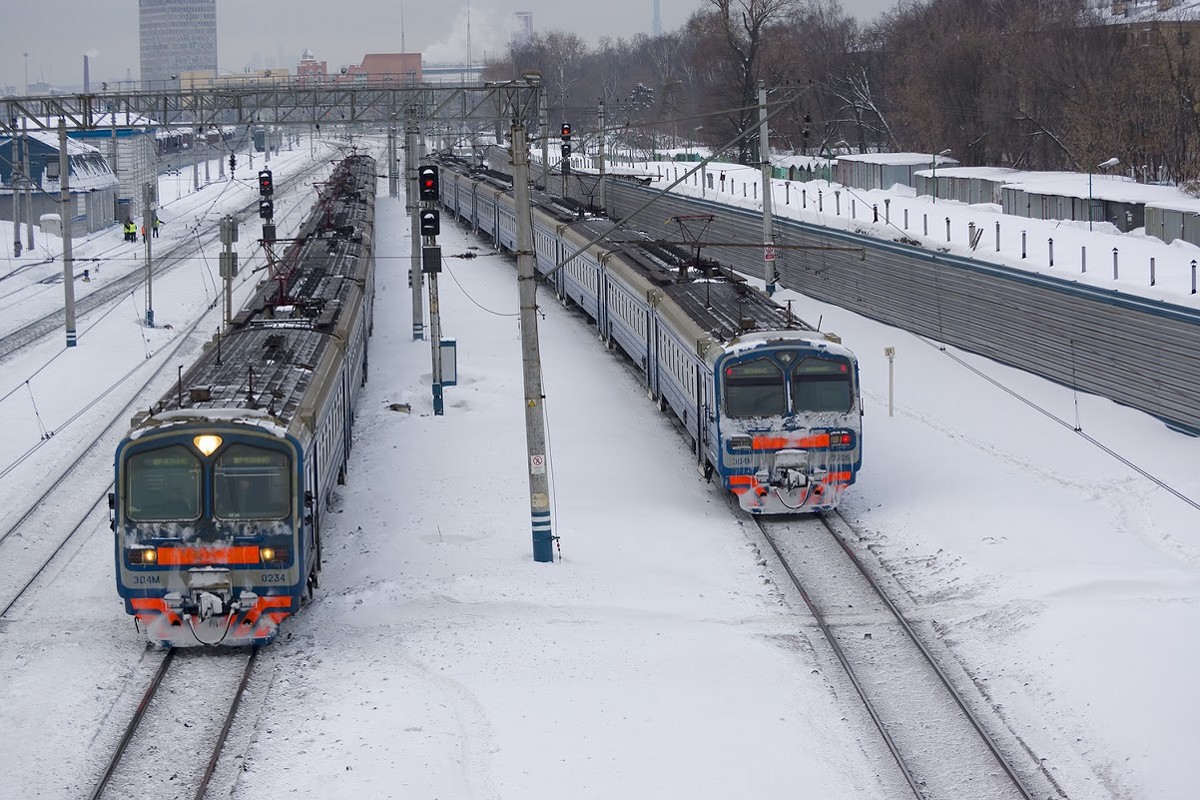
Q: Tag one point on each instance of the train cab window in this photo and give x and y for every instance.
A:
(162, 485)
(754, 389)
(251, 483)
(822, 384)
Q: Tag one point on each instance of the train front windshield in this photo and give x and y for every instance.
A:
(163, 485)
(240, 482)
(251, 483)
(755, 389)
(766, 387)
(822, 384)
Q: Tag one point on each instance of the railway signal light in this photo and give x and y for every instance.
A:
(566, 150)
(566, 132)
(266, 208)
(431, 222)
(427, 183)
(266, 186)
(232, 162)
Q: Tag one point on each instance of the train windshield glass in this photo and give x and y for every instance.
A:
(822, 384)
(754, 389)
(162, 485)
(251, 483)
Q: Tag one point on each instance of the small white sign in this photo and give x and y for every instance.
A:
(769, 253)
(537, 464)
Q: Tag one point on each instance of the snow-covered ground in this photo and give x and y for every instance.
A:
(656, 657)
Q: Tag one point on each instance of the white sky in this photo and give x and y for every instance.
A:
(275, 32)
(441, 661)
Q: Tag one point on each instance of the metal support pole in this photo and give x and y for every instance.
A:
(393, 176)
(413, 206)
(764, 155)
(229, 235)
(64, 206)
(29, 187)
(890, 353)
(602, 151)
(149, 199)
(14, 181)
(544, 127)
(535, 422)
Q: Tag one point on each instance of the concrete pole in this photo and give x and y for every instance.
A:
(413, 206)
(14, 181)
(764, 155)
(28, 188)
(64, 206)
(195, 164)
(603, 175)
(207, 157)
(535, 420)
(149, 197)
(435, 330)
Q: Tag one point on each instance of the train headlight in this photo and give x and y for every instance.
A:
(143, 555)
(841, 439)
(207, 443)
(272, 555)
(740, 442)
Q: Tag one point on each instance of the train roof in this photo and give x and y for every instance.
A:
(270, 357)
(718, 300)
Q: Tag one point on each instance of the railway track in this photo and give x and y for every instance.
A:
(944, 744)
(115, 290)
(176, 723)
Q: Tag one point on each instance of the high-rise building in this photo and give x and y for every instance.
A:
(524, 27)
(176, 36)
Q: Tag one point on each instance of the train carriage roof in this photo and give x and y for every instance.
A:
(717, 300)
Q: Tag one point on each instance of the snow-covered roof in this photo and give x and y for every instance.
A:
(898, 159)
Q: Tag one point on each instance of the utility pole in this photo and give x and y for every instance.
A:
(535, 421)
(413, 206)
(603, 177)
(393, 177)
(229, 263)
(149, 197)
(764, 155)
(544, 127)
(64, 206)
(28, 188)
(14, 180)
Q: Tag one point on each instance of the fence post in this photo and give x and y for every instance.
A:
(853, 208)
(837, 201)
(1083, 259)
(947, 229)
(925, 219)
(820, 201)
(1022, 244)
(1114, 263)
(887, 210)
(997, 237)
(875, 212)
(1193, 276)
(1051, 243)
(1151, 270)
(906, 219)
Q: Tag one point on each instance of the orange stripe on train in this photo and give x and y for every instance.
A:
(184, 556)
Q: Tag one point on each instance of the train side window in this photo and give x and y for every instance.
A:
(822, 384)
(162, 485)
(251, 483)
(754, 389)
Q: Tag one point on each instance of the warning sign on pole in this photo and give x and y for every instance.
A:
(769, 252)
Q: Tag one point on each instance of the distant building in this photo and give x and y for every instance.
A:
(176, 36)
(310, 71)
(376, 67)
(93, 186)
(524, 29)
